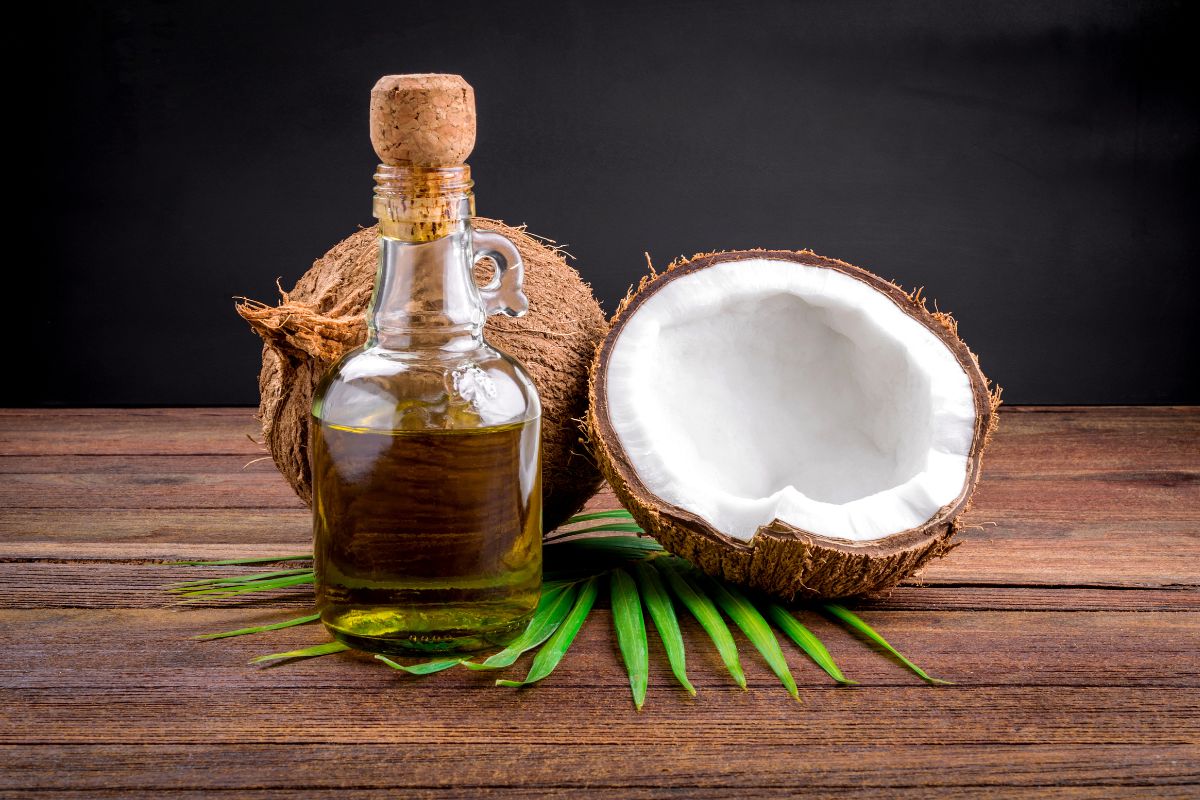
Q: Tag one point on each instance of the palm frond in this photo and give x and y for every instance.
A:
(855, 624)
(614, 545)
(221, 591)
(706, 613)
(229, 562)
(662, 612)
(424, 668)
(807, 641)
(746, 616)
(189, 586)
(615, 513)
(642, 577)
(630, 626)
(551, 611)
(277, 626)
(325, 649)
(556, 646)
(615, 527)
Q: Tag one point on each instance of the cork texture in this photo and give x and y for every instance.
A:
(423, 120)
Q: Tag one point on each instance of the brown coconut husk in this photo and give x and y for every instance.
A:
(322, 318)
(780, 559)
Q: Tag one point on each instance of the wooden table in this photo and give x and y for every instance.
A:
(1069, 622)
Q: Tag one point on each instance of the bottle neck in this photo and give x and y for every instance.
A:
(425, 296)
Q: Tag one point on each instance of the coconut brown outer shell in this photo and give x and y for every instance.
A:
(323, 317)
(779, 559)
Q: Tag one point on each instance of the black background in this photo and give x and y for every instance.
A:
(1033, 165)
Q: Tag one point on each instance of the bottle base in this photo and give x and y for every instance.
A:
(401, 640)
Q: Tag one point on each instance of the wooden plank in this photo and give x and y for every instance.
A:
(1025, 521)
(166, 534)
(1092, 695)
(155, 720)
(600, 768)
(626, 792)
(407, 717)
(1066, 434)
(1174, 497)
(278, 538)
(1106, 491)
(1072, 554)
(1095, 439)
(80, 583)
(138, 465)
(203, 482)
(969, 572)
(1075, 552)
(1033, 598)
(149, 648)
(129, 431)
(146, 482)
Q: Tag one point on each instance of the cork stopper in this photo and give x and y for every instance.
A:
(423, 120)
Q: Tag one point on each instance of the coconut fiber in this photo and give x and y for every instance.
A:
(322, 318)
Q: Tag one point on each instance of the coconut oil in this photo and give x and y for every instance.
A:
(426, 540)
(424, 442)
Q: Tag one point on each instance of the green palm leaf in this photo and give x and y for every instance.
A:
(230, 590)
(616, 527)
(807, 641)
(551, 611)
(573, 569)
(233, 580)
(556, 646)
(706, 614)
(616, 513)
(306, 652)
(616, 545)
(228, 562)
(631, 632)
(662, 611)
(261, 628)
(577, 559)
(856, 624)
(424, 668)
(747, 617)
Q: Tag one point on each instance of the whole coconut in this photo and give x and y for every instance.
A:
(323, 317)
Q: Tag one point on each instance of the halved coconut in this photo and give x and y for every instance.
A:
(789, 422)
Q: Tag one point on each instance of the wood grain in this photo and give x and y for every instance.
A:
(65, 582)
(1068, 649)
(1069, 621)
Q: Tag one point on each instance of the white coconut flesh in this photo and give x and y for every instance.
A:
(760, 389)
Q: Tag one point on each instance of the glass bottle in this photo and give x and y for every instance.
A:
(425, 440)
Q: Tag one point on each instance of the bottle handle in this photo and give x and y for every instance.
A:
(504, 293)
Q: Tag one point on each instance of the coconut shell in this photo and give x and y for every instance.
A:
(322, 318)
(779, 559)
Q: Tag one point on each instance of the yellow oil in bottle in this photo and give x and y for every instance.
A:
(426, 540)
(424, 442)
